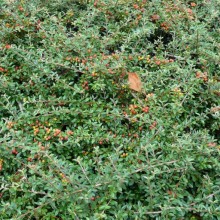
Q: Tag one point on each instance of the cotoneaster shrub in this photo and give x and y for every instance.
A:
(76, 142)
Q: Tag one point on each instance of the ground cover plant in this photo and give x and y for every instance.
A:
(109, 109)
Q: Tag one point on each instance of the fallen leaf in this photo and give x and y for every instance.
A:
(134, 82)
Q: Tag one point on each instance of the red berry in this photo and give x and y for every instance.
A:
(2, 69)
(7, 46)
(14, 151)
(135, 6)
(95, 4)
(155, 17)
(29, 159)
(145, 109)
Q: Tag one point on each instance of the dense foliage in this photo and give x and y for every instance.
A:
(76, 142)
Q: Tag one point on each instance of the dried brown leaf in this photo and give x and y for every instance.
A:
(134, 82)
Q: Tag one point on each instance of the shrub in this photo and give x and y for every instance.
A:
(76, 142)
